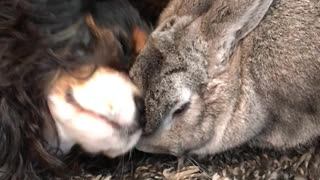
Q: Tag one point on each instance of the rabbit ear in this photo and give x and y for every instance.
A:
(230, 21)
(163, 37)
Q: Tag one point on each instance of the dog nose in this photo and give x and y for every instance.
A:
(139, 102)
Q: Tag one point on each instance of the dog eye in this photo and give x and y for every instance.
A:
(69, 95)
(182, 109)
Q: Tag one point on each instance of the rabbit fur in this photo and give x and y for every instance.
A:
(218, 74)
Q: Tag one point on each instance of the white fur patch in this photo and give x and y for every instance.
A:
(109, 95)
(106, 94)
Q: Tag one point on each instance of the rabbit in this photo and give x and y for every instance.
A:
(219, 74)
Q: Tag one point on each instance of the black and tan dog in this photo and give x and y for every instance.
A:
(63, 81)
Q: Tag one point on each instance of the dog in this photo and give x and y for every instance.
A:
(64, 82)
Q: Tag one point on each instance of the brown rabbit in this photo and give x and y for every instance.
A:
(218, 74)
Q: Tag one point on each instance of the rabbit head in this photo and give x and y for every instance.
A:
(189, 76)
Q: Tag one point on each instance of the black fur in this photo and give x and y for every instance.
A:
(28, 62)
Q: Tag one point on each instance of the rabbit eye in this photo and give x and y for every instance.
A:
(182, 108)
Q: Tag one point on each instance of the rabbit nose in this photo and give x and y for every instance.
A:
(139, 102)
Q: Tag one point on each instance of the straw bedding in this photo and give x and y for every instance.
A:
(240, 163)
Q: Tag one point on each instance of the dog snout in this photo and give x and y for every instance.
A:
(139, 102)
